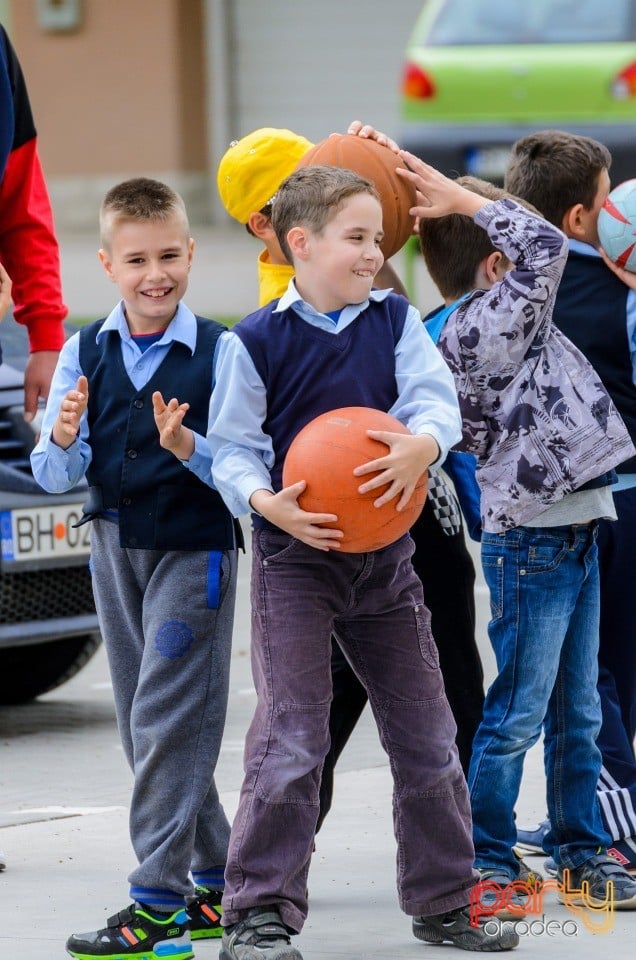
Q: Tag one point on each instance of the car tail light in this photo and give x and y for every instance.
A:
(624, 85)
(416, 83)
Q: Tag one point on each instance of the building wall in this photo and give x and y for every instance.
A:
(315, 66)
(122, 94)
(160, 87)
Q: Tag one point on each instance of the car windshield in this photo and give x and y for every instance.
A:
(478, 22)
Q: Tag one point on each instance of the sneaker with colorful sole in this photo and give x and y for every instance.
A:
(135, 933)
(204, 913)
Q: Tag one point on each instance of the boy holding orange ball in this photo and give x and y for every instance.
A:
(333, 341)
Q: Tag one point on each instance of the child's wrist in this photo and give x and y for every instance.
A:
(61, 438)
(185, 448)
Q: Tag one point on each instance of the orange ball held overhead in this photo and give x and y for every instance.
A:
(325, 454)
(378, 164)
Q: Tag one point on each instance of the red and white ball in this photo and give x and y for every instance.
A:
(617, 225)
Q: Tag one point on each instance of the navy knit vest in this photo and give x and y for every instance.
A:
(308, 371)
(590, 311)
(161, 505)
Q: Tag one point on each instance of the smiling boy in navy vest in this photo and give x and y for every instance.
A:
(333, 341)
(164, 562)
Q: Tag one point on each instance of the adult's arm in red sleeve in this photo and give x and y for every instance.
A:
(29, 249)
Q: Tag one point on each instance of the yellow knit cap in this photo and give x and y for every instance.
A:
(253, 168)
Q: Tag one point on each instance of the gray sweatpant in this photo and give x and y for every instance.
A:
(169, 656)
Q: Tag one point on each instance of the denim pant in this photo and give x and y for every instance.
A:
(544, 597)
(374, 603)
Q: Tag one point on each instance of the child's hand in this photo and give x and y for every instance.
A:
(408, 457)
(368, 132)
(437, 195)
(72, 407)
(282, 509)
(626, 276)
(173, 435)
(5, 291)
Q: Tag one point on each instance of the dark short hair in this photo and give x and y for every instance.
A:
(311, 197)
(140, 199)
(453, 246)
(556, 170)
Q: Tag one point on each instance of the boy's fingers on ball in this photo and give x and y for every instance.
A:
(318, 518)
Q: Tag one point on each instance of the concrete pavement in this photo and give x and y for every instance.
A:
(65, 791)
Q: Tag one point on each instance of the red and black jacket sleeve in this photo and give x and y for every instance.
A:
(28, 247)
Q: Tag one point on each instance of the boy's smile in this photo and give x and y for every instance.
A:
(338, 265)
(150, 262)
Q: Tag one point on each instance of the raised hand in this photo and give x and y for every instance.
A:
(72, 407)
(173, 435)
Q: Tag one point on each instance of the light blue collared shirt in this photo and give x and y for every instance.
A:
(242, 453)
(625, 480)
(56, 469)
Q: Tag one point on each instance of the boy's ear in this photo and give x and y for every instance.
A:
(106, 262)
(298, 242)
(261, 226)
(573, 222)
(491, 270)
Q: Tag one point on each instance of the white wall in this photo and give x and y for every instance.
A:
(315, 65)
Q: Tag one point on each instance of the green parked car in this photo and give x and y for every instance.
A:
(478, 74)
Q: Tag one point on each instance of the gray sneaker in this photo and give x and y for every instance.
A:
(498, 898)
(454, 927)
(262, 935)
(597, 872)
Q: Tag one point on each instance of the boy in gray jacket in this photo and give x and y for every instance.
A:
(546, 436)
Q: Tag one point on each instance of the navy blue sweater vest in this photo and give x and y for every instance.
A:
(308, 371)
(161, 505)
(590, 311)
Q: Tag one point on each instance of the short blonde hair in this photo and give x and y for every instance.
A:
(141, 200)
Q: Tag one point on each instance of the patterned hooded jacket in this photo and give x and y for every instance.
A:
(534, 411)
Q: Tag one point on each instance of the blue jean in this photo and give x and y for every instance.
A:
(544, 599)
(374, 604)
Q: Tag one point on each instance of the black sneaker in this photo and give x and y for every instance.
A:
(135, 933)
(497, 897)
(204, 913)
(527, 873)
(455, 927)
(262, 935)
(597, 872)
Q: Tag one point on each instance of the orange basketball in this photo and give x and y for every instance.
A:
(325, 453)
(378, 164)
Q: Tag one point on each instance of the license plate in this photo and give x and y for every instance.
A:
(489, 163)
(43, 533)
